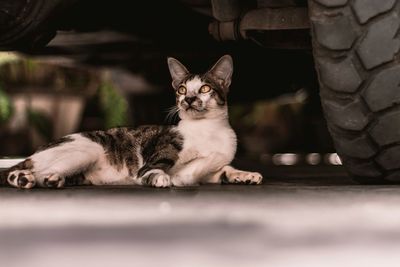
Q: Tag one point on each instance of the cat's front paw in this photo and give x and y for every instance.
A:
(161, 180)
(21, 179)
(157, 178)
(244, 177)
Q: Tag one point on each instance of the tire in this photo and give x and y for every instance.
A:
(356, 51)
(26, 25)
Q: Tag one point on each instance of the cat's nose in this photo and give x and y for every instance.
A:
(190, 100)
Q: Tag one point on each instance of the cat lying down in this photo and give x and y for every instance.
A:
(198, 150)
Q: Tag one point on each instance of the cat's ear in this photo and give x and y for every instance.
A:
(222, 71)
(178, 71)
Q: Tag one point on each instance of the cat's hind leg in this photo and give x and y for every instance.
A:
(25, 178)
(50, 166)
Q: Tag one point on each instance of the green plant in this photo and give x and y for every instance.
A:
(113, 105)
(6, 108)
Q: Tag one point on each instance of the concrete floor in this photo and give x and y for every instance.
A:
(320, 220)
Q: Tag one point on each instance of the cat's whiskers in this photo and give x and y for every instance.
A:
(172, 114)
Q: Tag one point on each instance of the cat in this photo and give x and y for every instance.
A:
(198, 150)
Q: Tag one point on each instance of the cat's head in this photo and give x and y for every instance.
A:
(201, 96)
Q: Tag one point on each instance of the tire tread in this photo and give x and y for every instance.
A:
(356, 49)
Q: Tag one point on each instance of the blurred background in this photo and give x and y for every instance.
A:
(273, 101)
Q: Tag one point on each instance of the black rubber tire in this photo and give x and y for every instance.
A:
(26, 25)
(356, 50)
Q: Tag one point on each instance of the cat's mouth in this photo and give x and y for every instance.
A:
(193, 109)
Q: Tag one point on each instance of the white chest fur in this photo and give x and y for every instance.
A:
(203, 138)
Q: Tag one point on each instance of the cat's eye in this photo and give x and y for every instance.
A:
(182, 90)
(205, 89)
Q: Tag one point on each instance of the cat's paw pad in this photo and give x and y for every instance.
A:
(156, 178)
(54, 181)
(161, 180)
(245, 177)
(21, 179)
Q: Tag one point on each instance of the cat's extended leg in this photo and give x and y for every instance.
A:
(22, 176)
(198, 170)
(49, 166)
(233, 175)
